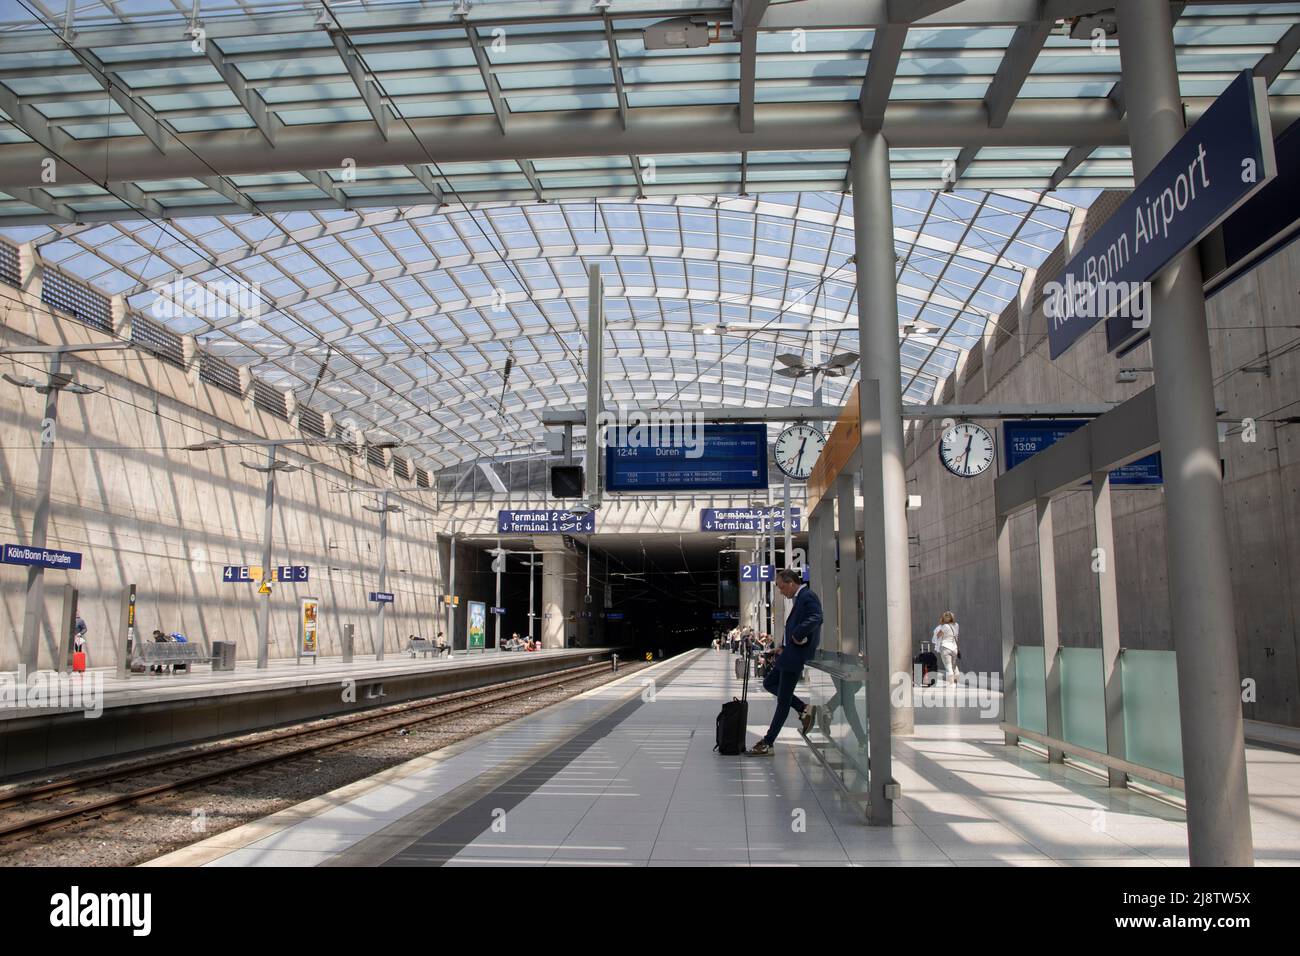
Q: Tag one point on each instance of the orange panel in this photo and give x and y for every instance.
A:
(840, 446)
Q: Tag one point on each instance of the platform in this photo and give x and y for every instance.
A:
(145, 711)
(626, 775)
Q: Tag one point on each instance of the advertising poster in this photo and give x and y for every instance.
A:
(307, 626)
(477, 625)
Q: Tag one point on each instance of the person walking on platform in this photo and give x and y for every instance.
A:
(945, 643)
(803, 632)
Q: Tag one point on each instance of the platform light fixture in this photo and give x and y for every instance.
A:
(1127, 376)
(679, 33)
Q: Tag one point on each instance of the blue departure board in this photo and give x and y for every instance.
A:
(725, 458)
(1024, 439)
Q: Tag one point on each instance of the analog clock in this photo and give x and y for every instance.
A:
(966, 449)
(797, 449)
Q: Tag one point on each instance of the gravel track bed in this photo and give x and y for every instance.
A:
(150, 829)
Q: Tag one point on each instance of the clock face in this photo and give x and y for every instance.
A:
(797, 449)
(966, 449)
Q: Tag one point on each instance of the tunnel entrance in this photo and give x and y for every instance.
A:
(648, 593)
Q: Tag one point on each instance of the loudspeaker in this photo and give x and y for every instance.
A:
(566, 481)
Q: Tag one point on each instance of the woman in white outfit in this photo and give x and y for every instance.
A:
(945, 645)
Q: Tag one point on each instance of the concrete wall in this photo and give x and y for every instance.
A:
(143, 511)
(1255, 321)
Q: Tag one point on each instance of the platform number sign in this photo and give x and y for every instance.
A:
(757, 572)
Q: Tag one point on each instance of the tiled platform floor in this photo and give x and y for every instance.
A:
(626, 775)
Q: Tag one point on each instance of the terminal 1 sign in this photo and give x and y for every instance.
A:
(1215, 167)
(546, 522)
(748, 520)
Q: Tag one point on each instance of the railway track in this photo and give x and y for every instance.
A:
(64, 801)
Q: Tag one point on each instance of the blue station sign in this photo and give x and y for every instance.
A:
(718, 458)
(757, 572)
(1024, 439)
(381, 597)
(1216, 166)
(51, 558)
(748, 520)
(546, 522)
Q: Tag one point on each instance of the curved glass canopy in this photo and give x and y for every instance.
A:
(403, 320)
(404, 195)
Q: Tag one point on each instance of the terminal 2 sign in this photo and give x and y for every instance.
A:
(1217, 165)
(748, 520)
(546, 522)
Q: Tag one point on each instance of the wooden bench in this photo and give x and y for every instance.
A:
(170, 652)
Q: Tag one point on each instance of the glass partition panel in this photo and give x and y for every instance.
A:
(1031, 688)
(838, 687)
(1083, 698)
(1152, 732)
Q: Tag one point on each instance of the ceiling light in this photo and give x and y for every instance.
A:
(675, 34)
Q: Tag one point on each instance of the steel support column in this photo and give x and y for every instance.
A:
(873, 230)
(849, 571)
(383, 574)
(1200, 587)
(874, 634)
(1108, 604)
(1051, 625)
(1006, 608)
(268, 530)
(34, 612)
(821, 573)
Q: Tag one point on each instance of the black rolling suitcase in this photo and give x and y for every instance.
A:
(734, 717)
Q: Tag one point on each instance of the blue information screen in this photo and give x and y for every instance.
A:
(727, 458)
(1024, 439)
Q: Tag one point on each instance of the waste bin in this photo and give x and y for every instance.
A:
(349, 632)
(223, 655)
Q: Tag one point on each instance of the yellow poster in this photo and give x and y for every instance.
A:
(307, 626)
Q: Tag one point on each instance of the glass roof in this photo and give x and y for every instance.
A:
(410, 191)
(412, 313)
(181, 107)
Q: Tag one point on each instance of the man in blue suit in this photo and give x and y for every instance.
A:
(803, 632)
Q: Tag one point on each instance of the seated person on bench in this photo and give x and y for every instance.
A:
(159, 638)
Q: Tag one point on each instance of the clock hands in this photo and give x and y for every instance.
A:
(966, 456)
(798, 459)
